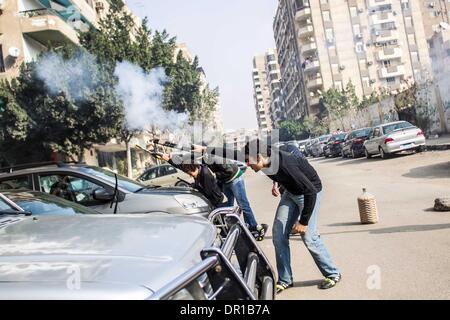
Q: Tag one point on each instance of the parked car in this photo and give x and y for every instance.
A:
(116, 257)
(317, 147)
(394, 137)
(165, 176)
(43, 204)
(308, 147)
(98, 189)
(354, 143)
(334, 146)
(302, 146)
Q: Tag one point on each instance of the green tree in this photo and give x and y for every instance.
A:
(340, 103)
(14, 124)
(65, 123)
(292, 130)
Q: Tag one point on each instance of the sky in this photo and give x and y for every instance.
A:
(225, 35)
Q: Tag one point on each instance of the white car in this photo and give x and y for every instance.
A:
(394, 137)
(165, 176)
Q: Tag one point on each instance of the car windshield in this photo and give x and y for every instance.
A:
(4, 205)
(324, 138)
(396, 126)
(124, 183)
(361, 133)
(42, 204)
(338, 137)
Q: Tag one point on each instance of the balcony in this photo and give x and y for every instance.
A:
(306, 31)
(314, 101)
(312, 66)
(389, 53)
(384, 17)
(308, 48)
(46, 25)
(303, 14)
(376, 3)
(314, 83)
(389, 72)
(384, 36)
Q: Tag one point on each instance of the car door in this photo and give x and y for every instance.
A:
(75, 188)
(375, 141)
(347, 143)
(168, 176)
(370, 141)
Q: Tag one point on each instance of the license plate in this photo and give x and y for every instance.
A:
(406, 146)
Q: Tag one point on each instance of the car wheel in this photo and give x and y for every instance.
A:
(383, 154)
(182, 184)
(368, 155)
(419, 149)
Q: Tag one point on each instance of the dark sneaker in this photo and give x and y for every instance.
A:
(281, 286)
(259, 231)
(330, 282)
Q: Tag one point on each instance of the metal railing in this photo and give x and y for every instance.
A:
(39, 12)
(253, 279)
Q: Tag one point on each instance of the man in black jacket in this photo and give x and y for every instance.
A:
(297, 212)
(205, 182)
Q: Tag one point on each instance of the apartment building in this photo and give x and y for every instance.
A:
(434, 12)
(276, 109)
(292, 84)
(261, 93)
(237, 139)
(372, 43)
(27, 27)
(440, 60)
(216, 123)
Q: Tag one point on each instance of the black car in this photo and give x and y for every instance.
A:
(353, 145)
(334, 146)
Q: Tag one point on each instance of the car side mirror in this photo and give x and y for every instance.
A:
(102, 194)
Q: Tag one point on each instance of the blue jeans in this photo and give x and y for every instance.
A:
(236, 190)
(288, 213)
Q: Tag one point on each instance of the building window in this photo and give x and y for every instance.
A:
(353, 12)
(2, 62)
(390, 79)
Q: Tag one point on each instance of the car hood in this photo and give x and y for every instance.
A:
(102, 257)
(169, 190)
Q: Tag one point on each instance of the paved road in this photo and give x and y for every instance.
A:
(410, 247)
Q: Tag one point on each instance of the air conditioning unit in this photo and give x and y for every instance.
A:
(360, 10)
(369, 63)
(377, 33)
(372, 81)
(431, 4)
(359, 35)
(341, 67)
(14, 52)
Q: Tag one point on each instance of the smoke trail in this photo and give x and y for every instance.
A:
(142, 95)
(74, 77)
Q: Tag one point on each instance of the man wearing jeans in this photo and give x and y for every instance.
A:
(297, 212)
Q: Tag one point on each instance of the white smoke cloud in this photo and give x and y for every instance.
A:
(73, 76)
(142, 95)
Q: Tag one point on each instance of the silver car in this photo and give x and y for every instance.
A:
(393, 137)
(98, 189)
(116, 257)
(318, 145)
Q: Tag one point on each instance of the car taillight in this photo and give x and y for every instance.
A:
(420, 133)
(388, 140)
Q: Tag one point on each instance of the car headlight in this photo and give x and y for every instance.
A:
(190, 202)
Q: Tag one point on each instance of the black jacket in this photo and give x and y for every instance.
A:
(298, 177)
(206, 184)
